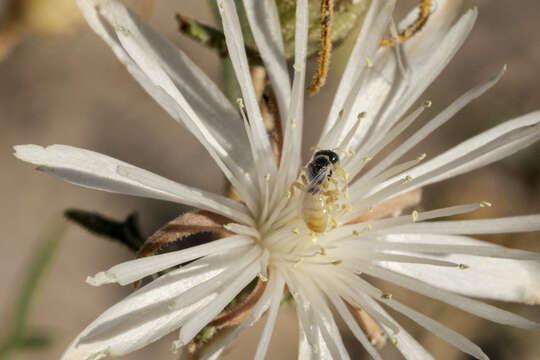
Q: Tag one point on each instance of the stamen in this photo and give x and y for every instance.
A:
(485, 204)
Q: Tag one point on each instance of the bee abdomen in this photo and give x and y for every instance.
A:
(315, 213)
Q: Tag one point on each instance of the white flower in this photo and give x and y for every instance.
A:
(268, 238)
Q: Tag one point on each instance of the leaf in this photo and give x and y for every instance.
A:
(126, 232)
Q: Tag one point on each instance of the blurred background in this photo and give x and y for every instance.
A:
(60, 84)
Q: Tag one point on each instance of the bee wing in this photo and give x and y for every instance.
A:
(317, 180)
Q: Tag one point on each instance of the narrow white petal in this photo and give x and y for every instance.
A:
(480, 150)
(373, 28)
(388, 94)
(483, 226)
(133, 270)
(237, 54)
(406, 344)
(175, 82)
(97, 171)
(266, 335)
(352, 323)
(202, 318)
(263, 20)
(273, 293)
(219, 282)
(475, 307)
(432, 125)
(483, 149)
(484, 277)
(424, 71)
(323, 317)
(291, 153)
(145, 315)
(447, 334)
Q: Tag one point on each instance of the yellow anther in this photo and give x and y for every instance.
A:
(262, 277)
(358, 308)
(322, 251)
(267, 177)
(386, 296)
(421, 157)
(346, 207)
(415, 216)
(369, 62)
(315, 348)
(370, 209)
(240, 103)
(296, 231)
(356, 233)
(367, 159)
(369, 227)
(296, 67)
(361, 115)
(427, 104)
(485, 204)
(337, 262)
(298, 262)
(293, 123)
(463, 266)
(394, 340)
(406, 179)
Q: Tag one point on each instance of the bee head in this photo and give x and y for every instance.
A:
(332, 156)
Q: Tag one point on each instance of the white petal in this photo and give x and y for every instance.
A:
(263, 20)
(351, 322)
(485, 277)
(483, 149)
(175, 82)
(145, 315)
(133, 270)
(198, 321)
(405, 343)
(291, 154)
(483, 226)
(473, 144)
(237, 54)
(432, 125)
(97, 171)
(373, 28)
(475, 307)
(426, 63)
(266, 336)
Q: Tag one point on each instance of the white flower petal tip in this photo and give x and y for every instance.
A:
(99, 355)
(101, 278)
(31, 153)
(176, 346)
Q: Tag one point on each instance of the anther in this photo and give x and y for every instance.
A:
(485, 204)
(463, 266)
(415, 216)
(240, 103)
(386, 296)
(369, 62)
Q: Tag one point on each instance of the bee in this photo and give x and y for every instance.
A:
(319, 195)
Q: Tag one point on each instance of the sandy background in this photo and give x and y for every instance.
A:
(71, 90)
